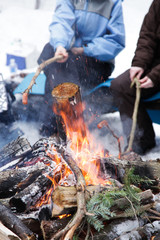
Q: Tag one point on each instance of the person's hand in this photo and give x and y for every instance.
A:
(61, 51)
(136, 72)
(77, 50)
(146, 82)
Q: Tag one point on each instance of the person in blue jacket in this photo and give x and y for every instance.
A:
(89, 34)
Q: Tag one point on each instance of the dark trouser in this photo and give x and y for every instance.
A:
(84, 71)
(124, 98)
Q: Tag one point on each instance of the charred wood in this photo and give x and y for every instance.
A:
(117, 169)
(28, 197)
(15, 180)
(14, 150)
(50, 228)
(12, 222)
(6, 234)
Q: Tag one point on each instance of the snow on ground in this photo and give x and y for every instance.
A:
(23, 22)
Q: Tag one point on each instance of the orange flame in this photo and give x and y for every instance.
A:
(85, 148)
(64, 216)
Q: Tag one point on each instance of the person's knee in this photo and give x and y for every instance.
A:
(46, 53)
(121, 83)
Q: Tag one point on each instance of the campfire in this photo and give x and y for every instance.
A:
(68, 186)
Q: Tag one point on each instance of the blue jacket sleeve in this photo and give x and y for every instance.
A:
(106, 48)
(61, 32)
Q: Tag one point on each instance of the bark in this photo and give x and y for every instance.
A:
(69, 230)
(117, 169)
(13, 223)
(16, 149)
(28, 197)
(38, 71)
(49, 228)
(16, 180)
(64, 198)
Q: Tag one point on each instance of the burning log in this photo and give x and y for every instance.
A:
(13, 223)
(67, 99)
(28, 197)
(15, 180)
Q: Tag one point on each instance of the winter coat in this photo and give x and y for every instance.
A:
(147, 54)
(95, 25)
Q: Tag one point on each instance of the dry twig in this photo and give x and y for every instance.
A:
(135, 112)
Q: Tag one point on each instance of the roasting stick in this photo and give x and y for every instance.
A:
(38, 71)
(135, 112)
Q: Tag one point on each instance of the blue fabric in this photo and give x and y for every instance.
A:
(38, 88)
(104, 84)
(154, 115)
(108, 83)
(153, 98)
(101, 38)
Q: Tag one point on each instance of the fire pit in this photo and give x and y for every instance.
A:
(49, 191)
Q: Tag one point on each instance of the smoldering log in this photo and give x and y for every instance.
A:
(28, 197)
(117, 168)
(67, 100)
(15, 180)
(12, 222)
(14, 150)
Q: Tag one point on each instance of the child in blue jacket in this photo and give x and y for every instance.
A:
(89, 34)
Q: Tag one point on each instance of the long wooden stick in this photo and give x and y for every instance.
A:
(38, 71)
(70, 228)
(135, 112)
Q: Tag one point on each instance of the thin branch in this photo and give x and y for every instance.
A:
(38, 71)
(70, 228)
(135, 112)
(105, 123)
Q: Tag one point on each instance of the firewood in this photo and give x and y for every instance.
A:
(12, 222)
(66, 197)
(14, 150)
(150, 169)
(6, 234)
(67, 100)
(15, 180)
(28, 197)
(49, 228)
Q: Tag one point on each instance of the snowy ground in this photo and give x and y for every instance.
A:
(19, 21)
